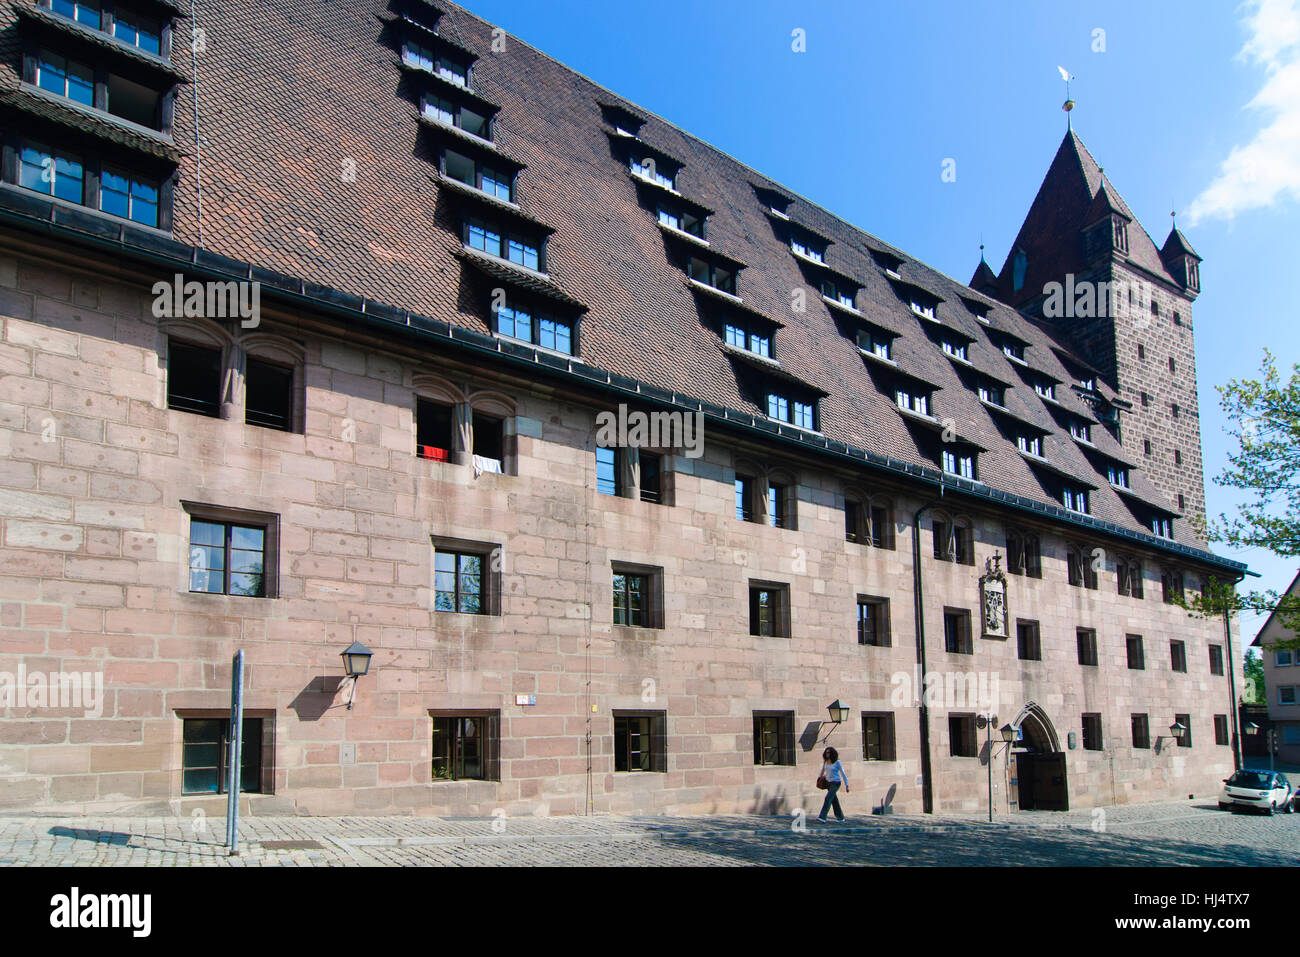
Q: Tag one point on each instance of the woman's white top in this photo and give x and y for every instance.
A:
(834, 772)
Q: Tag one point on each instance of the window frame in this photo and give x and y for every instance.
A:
(886, 746)
(878, 615)
(656, 729)
(489, 753)
(779, 617)
(491, 556)
(1141, 657)
(652, 604)
(781, 732)
(266, 522)
(1085, 640)
(963, 642)
(262, 721)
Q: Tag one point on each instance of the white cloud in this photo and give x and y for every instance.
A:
(1266, 169)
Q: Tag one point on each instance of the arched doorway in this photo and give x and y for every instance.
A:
(1040, 763)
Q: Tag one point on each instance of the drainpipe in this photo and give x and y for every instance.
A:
(927, 773)
(1235, 709)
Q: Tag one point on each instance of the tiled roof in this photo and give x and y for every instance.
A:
(312, 85)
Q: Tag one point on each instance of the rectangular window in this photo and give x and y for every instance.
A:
(129, 197)
(769, 610)
(873, 621)
(744, 498)
(1081, 430)
(1186, 721)
(462, 168)
(1136, 653)
(1128, 576)
(878, 736)
(1044, 388)
(1171, 587)
(433, 429)
(1286, 694)
(852, 516)
(1141, 731)
(1029, 645)
(53, 173)
(778, 506)
(955, 349)
(808, 248)
(137, 30)
(1092, 732)
(774, 737)
(910, 402)
(1178, 655)
(65, 77)
(205, 755)
(993, 394)
(640, 741)
(637, 595)
(83, 11)
(959, 464)
(1282, 658)
(956, 632)
(1080, 568)
(1030, 444)
(1075, 499)
(1216, 659)
(1086, 640)
(1014, 351)
(1118, 476)
(652, 470)
(873, 343)
(962, 740)
(1024, 554)
(1221, 729)
(711, 275)
(881, 531)
(744, 337)
(451, 70)
(417, 55)
(489, 442)
(953, 543)
(193, 378)
(608, 480)
(228, 558)
(652, 171)
(924, 310)
(460, 582)
(268, 395)
(466, 746)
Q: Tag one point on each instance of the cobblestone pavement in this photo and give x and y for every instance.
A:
(1179, 833)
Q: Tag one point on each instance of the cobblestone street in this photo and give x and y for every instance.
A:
(1176, 834)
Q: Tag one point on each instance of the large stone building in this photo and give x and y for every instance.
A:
(448, 259)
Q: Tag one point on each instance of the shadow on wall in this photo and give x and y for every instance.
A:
(808, 740)
(317, 698)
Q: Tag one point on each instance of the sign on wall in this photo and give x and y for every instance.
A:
(993, 599)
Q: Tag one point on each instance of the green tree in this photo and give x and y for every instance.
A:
(1255, 678)
(1264, 416)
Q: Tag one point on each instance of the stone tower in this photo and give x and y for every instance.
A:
(1083, 264)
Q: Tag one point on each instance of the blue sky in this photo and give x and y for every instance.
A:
(1188, 107)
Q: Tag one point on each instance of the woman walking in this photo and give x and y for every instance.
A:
(833, 775)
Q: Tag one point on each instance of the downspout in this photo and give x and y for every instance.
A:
(1235, 709)
(927, 773)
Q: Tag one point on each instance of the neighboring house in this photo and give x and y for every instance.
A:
(1282, 682)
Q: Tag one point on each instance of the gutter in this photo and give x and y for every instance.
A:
(155, 248)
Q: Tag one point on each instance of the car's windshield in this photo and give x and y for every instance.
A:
(1249, 779)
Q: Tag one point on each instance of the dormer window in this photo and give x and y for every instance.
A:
(65, 77)
(1014, 351)
(993, 394)
(539, 330)
(490, 239)
(924, 310)
(809, 249)
(888, 262)
(1075, 498)
(682, 221)
(444, 111)
(1118, 476)
(1162, 526)
(783, 408)
(1081, 430)
(137, 30)
(874, 343)
(746, 337)
(1030, 444)
(62, 175)
(494, 182)
(711, 275)
(909, 401)
(624, 122)
(959, 463)
(1045, 388)
(837, 293)
(83, 11)
(648, 169)
(1121, 234)
(955, 349)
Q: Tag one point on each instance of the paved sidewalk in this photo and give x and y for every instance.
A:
(1176, 833)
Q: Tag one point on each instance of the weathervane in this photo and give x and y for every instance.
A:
(1068, 105)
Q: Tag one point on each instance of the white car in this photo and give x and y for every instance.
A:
(1266, 791)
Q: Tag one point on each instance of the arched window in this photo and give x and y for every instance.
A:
(1081, 562)
(954, 539)
(492, 440)
(1171, 582)
(442, 420)
(1128, 577)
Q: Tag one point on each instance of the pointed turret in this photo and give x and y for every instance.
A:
(984, 280)
(1182, 263)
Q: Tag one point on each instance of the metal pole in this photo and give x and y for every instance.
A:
(988, 740)
(234, 757)
(1235, 706)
